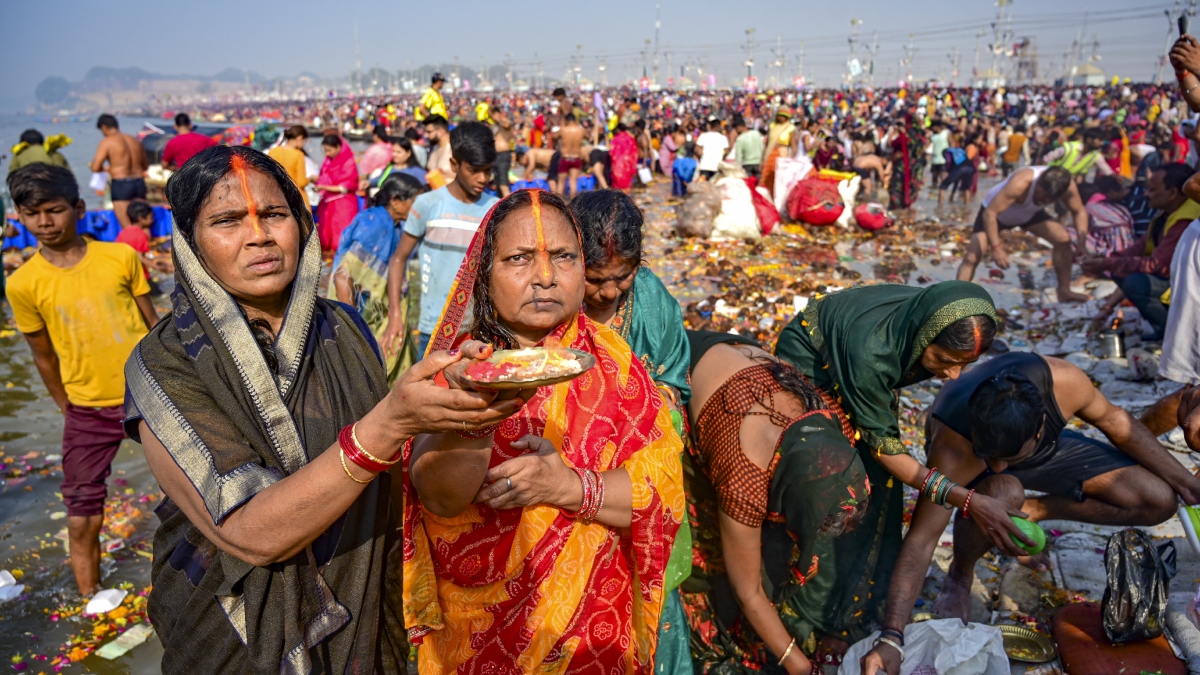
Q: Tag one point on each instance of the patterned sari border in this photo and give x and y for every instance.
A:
(221, 493)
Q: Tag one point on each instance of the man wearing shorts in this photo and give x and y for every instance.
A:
(570, 149)
(82, 308)
(999, 429)
(1021, 201)
(126, 165)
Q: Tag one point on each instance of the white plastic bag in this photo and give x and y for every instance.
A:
(788, 172)
(737, 219)
(645, 175)
(942, 647)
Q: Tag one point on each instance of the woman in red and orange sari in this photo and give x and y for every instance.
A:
(508, 567)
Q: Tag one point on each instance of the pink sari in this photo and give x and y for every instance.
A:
(335, 211)
(624, 154)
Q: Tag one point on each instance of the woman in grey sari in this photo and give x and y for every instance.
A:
(265, 416)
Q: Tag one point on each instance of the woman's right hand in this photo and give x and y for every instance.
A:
(418, 405)
(992, 517)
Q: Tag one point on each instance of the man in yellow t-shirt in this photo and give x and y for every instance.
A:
(82, 308)
(432, 102)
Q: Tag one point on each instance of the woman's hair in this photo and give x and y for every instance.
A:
(970, 334)
(295, 131)
(332, 141)
(189, 188)
(407, 145)
(397, 185)
(611, 224)
(487, 327)
(795, 382)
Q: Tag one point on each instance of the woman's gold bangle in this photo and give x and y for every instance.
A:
(787, 652)
(373, 458)
(342, 455)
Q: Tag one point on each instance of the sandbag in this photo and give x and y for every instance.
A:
(768, 217)
(872, 217)
(788, 172)
(815, 201)
(737, 219)
(1139, 575)
(699, 208)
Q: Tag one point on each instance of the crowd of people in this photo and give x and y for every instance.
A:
(339, 491)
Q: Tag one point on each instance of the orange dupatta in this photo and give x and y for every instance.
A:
(533, 589)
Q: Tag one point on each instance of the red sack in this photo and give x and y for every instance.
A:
(768, 216)
(815, 201)
(872, 217)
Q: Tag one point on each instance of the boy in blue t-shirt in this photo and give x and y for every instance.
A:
(443, 222)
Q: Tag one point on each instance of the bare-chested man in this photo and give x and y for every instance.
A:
(1001, 428)
(505, 132)
(536, 159)
(570, 148)
(437, 130)
(1021, 201)
(127, 164)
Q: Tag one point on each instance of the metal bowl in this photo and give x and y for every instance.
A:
(586, 360)
(1025, 644)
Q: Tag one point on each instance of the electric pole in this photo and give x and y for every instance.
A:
(874, 52)
(657, 25)
(780, 57)
(646, 59)
(749, 49)
(667, 56)
(603, 67)
(910, 52)
(853, 40)
(975, 69)
(358, 62)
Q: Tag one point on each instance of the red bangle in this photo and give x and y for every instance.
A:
(925, 483)
(967, 505)
(356, 454)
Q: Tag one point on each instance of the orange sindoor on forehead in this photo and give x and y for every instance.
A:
(543, 258)
(239, 170)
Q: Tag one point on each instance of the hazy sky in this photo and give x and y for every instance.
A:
(67, 37)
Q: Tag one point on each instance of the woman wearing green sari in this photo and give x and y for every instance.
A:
(360, 264)
(862, 345)
(627, 297)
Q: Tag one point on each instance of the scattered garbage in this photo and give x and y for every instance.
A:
(126, 641)
(105, 601)
(9, 588)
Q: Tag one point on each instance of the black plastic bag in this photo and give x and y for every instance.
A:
(1139, 574)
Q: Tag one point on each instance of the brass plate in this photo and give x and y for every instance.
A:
(1025, 644)
(586, 360)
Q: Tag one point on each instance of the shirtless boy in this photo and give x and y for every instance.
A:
(1021, 201)
(127, 164)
